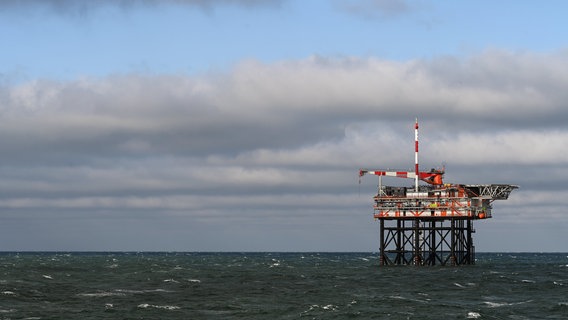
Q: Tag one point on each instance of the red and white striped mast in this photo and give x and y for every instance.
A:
(416, 170)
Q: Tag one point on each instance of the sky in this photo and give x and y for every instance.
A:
(240, 125)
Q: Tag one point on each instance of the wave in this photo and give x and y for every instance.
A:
(491, 304)
(100, 294)
(165, 307)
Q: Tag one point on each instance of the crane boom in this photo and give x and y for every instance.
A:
(433, 177)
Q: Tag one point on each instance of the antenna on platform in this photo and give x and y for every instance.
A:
(416, 169)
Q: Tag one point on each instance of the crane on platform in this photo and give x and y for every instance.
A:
(433, 177)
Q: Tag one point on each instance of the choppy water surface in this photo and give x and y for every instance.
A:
(278, 286)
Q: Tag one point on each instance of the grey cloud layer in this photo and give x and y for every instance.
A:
(280, 138)
(283, 105)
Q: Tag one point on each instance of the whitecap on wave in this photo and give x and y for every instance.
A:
(327, 307)
(469, 284)
(100, 294)
(166, 307)
(527, 281)
(495, 304)
(275, 263)
(491, 304)
(129, 291)
(7, 310)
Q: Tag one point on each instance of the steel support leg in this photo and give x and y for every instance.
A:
(426, 242)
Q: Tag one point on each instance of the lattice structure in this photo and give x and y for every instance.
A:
(430, 224)
(427, 242)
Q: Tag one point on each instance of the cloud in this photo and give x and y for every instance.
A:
(523, 147)
(371, 9)
(85, 8)
(296, 110)
(285, 139)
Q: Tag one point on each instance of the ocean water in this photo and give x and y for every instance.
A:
(278, 286)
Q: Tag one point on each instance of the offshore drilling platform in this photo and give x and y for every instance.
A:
(430, 224)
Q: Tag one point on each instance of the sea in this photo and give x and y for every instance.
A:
(188, 285)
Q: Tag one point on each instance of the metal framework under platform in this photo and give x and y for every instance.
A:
(432, 225)
(427, 242)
